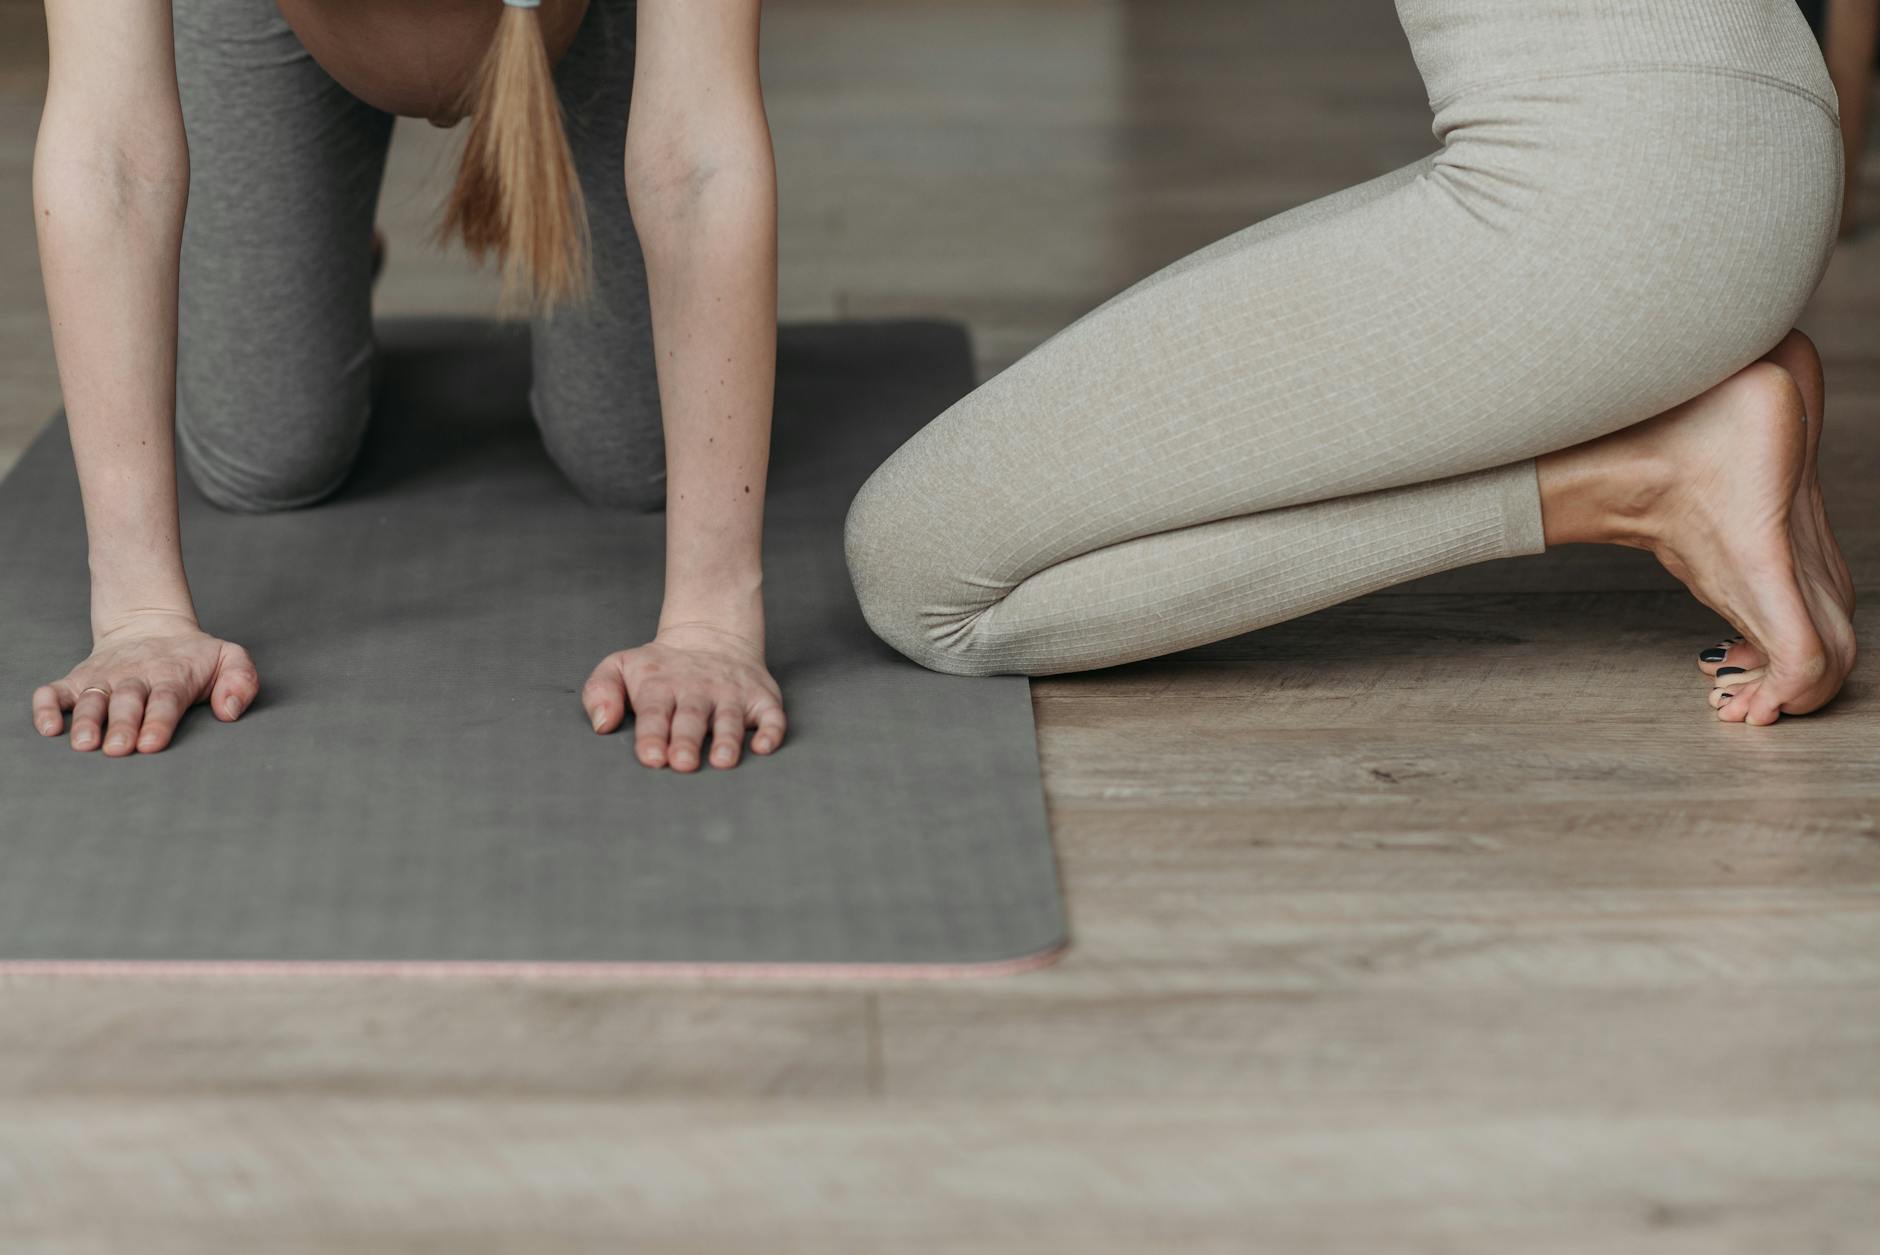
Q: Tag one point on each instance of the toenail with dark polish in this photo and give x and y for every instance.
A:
(1712, 655)
(1730, 670)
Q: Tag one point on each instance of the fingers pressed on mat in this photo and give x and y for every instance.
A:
(604, 697)
(50, 702)
(236, 684)
(88, 712)
(161, 714)
(770, 728)
(727, 736)
(688, 733)
(126, 719)
(652, 727)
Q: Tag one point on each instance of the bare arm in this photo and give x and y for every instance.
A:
(701, 181)
(110, 177)
(110, 180)
(702, 184)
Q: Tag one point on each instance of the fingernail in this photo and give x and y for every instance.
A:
(599, 719)
(1730, 670)
(1712, 655)
(48, 726)
(234, 706)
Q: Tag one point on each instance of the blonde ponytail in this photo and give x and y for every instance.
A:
(518, 196)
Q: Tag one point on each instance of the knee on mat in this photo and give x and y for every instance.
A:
(633, 484)
(266, 480)
(890, 557)
(607, 466)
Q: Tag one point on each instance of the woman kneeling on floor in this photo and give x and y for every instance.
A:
(1571, 323)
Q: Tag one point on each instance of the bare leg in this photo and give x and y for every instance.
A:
(1723, 490)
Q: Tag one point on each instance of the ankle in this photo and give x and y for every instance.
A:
(1635, 502)
(1604, 492)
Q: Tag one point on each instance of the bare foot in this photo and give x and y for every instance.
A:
(1824, 566)
(1712, 489)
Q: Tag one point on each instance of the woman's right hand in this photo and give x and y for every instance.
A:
(143, 673)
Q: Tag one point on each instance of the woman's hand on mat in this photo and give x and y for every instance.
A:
(691, 680)
(143, 673)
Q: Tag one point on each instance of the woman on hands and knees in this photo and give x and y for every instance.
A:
(618, 165)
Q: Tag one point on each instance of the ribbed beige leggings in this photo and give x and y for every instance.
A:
(1633, 200)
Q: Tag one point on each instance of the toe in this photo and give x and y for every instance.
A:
(1731, 704)
(1755, 702)
(1760, 707)
(1735, 652)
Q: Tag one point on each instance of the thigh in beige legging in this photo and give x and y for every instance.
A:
(1351, 395)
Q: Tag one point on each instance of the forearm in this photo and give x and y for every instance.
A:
(707, 220)
(108, 207)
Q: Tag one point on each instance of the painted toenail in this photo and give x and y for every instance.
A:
(1712, 655)
(1730, 670)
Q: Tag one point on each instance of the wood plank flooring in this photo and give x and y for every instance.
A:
(1444, 921)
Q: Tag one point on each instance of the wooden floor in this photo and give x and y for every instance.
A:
(1445, 921)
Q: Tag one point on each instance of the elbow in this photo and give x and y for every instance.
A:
(681, 173)
(667, 189)
(109, 180)
(120, 146)
(669, 181)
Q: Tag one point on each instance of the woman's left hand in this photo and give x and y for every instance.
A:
(691, 680)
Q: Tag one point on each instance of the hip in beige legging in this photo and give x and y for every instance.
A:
(1632, 202)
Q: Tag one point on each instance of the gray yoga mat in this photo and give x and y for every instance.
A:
(418, 784)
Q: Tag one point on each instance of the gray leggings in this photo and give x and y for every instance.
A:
(1632, 201)
(274, 370)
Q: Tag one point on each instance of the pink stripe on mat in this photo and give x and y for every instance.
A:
(164, 969)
